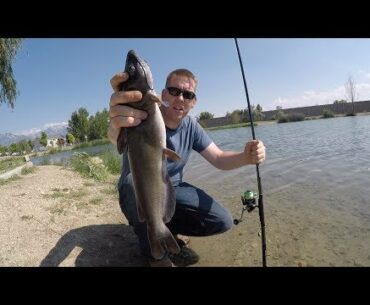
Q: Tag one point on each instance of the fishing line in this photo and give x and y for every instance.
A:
(249, 199)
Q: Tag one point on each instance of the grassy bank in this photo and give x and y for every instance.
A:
(11, 163)
(91, 143)
(230, 126)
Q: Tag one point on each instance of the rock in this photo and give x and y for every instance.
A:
(26, 158)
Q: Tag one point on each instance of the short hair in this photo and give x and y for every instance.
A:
(182, 72)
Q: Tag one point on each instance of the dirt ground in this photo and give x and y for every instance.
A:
(55, 217)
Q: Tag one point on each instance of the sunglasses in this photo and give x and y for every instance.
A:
(188, 95)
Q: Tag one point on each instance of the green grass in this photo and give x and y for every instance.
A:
(88, 166)
(230, 126)
(68, 198)
(77, 194)
(112, 161)
(54, 150)
(110, 191)
(11, 163)
(28, 170)
(88, 183)
(54, 195)
(58, 193)
(96, 200)
(92, 143)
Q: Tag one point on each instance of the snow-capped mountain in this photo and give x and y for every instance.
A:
(52, 130)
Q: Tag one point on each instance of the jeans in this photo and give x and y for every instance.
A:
(196, 214)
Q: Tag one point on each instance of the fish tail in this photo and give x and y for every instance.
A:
(162, 243)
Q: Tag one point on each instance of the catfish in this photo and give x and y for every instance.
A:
(145, 145)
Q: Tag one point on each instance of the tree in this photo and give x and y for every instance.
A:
(257, 113)
(205, 115)
(281, 116)
(236, 116)
(351, 92)
(3, 150)
(98, 125)
(70, 138)
(78, 125)
(8, 85)
(13, 148)
(44, 139)
(340, 102)
(30, 144)
(24, 146)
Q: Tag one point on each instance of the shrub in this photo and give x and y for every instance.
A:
(88, 166)
(294, 117)
(327, 113)
(112, 161)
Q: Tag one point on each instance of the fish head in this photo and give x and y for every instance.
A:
(140, 76)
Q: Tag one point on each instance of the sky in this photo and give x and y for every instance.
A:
(55, 76)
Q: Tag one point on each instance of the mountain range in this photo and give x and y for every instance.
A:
(52, 130)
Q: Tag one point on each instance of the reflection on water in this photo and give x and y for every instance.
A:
(315, 182)
(63, 157)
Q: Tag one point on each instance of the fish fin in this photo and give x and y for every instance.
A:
(122, 141)
(170, 154)
(151, 97)
(162, 241)
(169, 204)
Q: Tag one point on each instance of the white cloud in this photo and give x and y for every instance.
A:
(62, 124)
(27, 132)
(33, 131)
(311, 98)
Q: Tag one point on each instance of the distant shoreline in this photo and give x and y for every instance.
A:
(238, 125)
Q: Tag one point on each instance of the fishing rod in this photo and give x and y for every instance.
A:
(249, 198)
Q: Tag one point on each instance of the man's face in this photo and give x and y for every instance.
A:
(178, 106)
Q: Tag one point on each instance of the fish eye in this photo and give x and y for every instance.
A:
(131, 70)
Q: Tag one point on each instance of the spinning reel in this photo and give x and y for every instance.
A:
(249, 201)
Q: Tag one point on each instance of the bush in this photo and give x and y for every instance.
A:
(202, 123)
(112, 161)
(28, 170)
(294, 117)
(327, 113)
(88, 166)
(283, 119)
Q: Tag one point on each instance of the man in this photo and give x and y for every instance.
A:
(197, 214)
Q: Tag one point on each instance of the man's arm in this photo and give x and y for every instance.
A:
(254, 153)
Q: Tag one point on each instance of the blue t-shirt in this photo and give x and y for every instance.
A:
(185, 138)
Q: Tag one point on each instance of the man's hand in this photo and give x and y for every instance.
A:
(254, 152)
(122, 115)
